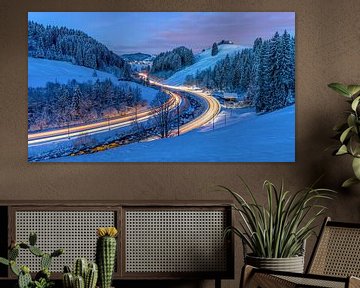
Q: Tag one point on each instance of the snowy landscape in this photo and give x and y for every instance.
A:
(151, 98)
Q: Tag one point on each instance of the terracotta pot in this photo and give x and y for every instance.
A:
(291, 264)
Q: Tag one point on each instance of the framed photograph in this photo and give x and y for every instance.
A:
(161, 86)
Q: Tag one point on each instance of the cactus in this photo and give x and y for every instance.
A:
(67, 269)
(91, 276)
(80, 268)
(13, 253)
(36, 251)
(43, 274)
(79, 282)
(45, 261)
(57, 253)
(90, 272)
(68, 280)
(32, 239)
(105, 254)
(24, 278)
(14, 268)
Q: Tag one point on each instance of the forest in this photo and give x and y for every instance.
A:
(172, 61)
(75, 46)
(59, 105)
(264, 74)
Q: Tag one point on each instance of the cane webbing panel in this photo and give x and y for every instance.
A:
(75, 231)
(338, 252)
(312, 282)
(175, 241)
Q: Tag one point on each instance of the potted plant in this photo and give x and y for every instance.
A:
(348, 132)
(42, 278)
(276, 233)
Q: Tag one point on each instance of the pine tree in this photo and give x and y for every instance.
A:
(214, 49)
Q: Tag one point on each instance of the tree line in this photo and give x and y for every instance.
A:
(64, 44)
(172, 61)
(58, 105)
(264, 74)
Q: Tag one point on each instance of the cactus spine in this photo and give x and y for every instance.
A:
(106, 254)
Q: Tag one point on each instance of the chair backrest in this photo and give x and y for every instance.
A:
(337, 251)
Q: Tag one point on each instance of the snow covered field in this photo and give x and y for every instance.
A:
(203, 60)
(41, 71)
(246, 137)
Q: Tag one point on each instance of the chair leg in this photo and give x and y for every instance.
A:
(246, 274)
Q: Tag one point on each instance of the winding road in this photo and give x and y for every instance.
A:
(212, 109)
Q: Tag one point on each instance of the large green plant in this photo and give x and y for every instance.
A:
(349, 131)
(42, 278)
(279, 229)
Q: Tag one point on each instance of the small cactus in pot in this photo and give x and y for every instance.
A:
(106, 254)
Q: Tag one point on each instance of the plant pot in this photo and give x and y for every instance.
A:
(291, 264)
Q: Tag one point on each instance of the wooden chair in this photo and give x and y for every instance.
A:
(335, 262)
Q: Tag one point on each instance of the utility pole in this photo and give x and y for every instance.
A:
(213, 122)
(109, 122)
(178, 118)
(68, 130)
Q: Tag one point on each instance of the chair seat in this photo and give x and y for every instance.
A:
(314, 282)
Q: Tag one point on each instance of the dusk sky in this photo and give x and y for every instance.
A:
(155, 32)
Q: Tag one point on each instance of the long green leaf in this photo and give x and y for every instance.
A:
(340, 88)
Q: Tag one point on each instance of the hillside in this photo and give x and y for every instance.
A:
(136, 56)
(64, 44)
(249, 138)
(167, 63)
(203, 61)
(41, 71)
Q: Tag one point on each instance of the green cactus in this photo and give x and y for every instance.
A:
(24, 280)
(32, 238)
(24, 245)
(105, 255)
(87, 272)
(14, 268)
(67, 269)
(91, 276)
(45, 261)
(79, 282)
(42, 278)
(68, 280)
(43, 274)
(57, 252)
(13, 253)
(80, 268)
(36, 251)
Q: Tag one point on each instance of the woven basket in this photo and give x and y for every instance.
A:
(291, 264)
